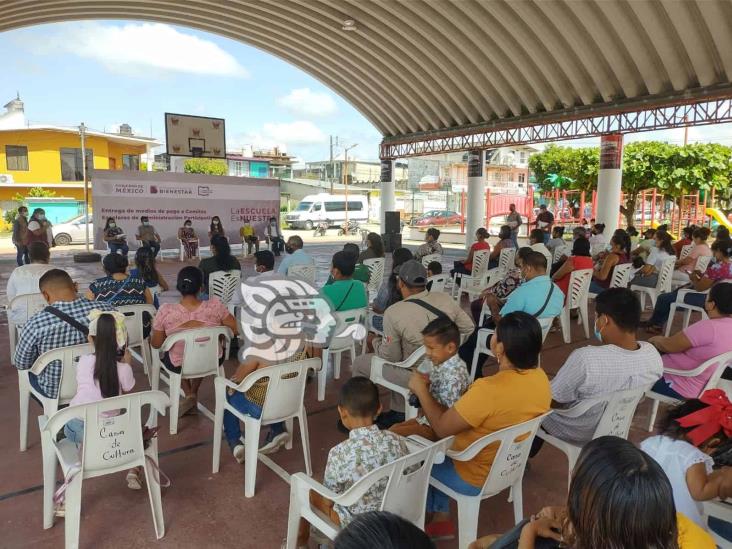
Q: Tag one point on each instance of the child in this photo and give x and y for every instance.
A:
(433, 268)
(448, 376)
(145, 270)
(101, 375)
(690, 436)
(366, 449)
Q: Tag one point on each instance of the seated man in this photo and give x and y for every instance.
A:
(403, 325)
(536, 242)
(63, 323)
(621, 364)
(147, 234)
(249, 236)
(344, 293)
(263, 264)
(295, 255)
(537, 296)
(360, 271)
(366, 449)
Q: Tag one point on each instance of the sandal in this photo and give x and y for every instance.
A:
(188, 405)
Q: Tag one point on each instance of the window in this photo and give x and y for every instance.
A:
(16, 158)
(522, 178)
(341, 206)
(71, 168)
(131, 162)
(258, 169)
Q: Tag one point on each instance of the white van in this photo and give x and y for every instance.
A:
(327, 207)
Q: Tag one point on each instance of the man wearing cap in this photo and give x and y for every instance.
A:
(544, 221)
(403, 325)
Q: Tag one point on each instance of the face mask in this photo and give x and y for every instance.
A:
(145, 223)
(598, 335)
(215, 222)
(289, 249)
(112, 225)
(187, 225)
(41, 217)
(274, 223)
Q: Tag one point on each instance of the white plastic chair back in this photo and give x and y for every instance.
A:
(133, 321)
(721, 510)
(223, 284)
(429, 258)
(344, 336)
(69, 357)
(376, 273)
(560, 251)
(618, 414)
(579, 286)
(507, 259)
(685, 251)
(665, 275)
(30, 303)
(438, 282)
(303, 272)
(285, 388)
(621, 275)
(201, 355)
(480, 262)
(702, 262)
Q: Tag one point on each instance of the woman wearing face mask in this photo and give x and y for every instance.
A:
(662, 250)
(216, 228)
(274, 236)
(115, 237)
(39, 228)
(188, 238)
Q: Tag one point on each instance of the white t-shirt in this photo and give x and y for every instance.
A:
(656, 257)
(542, 249)
(675, 457)
(24, 280)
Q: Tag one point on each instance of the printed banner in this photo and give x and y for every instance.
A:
(169, 198)
(475, 163)
(611, 151)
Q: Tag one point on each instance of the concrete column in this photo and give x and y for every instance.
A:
(475, 203)
(609, 180)
(150, 158)
(388, 190)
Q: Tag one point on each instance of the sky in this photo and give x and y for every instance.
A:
(105, 73)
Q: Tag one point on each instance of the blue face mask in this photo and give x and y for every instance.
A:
(598, 335)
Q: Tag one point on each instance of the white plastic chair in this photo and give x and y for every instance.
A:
(303, 272)
(720, 363)
(407, 480)
(438, 282)
(111, 444)
(620, 278)
(688, 309)
(614, 421)
(200, 359)
(68, 356)
(507, 471)
(475, 284)
(685, 251)
(482, 346)
(663, 285)
(429, 258)
(718, 509)
(702, 262)
(134, 324)
(377, 376)
(577, 298)
(376, 273)
(559, 252)
(31, 304)
(283, 402)
(340, 344)
(480, 266)
(183, 250)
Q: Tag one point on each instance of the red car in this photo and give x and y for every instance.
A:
(438, 217)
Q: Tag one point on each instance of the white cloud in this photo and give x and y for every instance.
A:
(142, 49)
(305, 102)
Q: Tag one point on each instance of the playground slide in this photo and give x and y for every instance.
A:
(719, 217)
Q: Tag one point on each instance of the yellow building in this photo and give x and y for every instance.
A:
(50, 156)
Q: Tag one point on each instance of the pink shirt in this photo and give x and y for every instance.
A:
(87, 388)
(700, 250)
(708, 338)
(171, 316)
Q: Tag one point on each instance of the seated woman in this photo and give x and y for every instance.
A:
(619, 497)
(580, 259)
(466, 265)
(604, 271)
(430, 246)
(648, 274)
(191, 312)
(374, 248)
(695, 345)
(220, 260)
(188, 238)
(216, 228)
(145, 269)
(687, 237)
(504, 241)
(115, 237)
(717, 271)
(645, 245)
(388, 293)
(490, 404)
(118, 288)
(684, 267)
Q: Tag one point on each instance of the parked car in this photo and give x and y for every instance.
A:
(437, 217)
(73, 231)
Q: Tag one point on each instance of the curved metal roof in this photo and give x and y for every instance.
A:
(414, 66)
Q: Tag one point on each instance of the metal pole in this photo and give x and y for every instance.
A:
(345, 184)
(82, 131)
(331, 165)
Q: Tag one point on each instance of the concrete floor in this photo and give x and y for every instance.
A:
(200, 508)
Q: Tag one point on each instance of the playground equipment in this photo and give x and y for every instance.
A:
(717, 215)
(496, 204)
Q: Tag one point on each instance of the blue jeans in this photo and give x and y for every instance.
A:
(22, 256)
(114, 247)
(596, 287)
(445, 472)
(664, 301)
(232, 428)
(663, 387)
(33, 380)
(74, 431)
(547, 238)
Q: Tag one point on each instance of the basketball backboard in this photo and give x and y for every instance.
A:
(196, 136)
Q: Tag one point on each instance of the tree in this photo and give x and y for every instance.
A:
(580, 165)
(207, 166)
(35, 192)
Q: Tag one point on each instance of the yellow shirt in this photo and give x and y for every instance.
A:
(691, 536)
(246, 230)
(494, 403)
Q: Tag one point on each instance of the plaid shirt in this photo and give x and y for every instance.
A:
(44, 332)
(366, 449)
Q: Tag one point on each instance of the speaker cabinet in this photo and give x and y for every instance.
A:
(392, 222)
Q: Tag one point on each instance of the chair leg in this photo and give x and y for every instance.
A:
(670, 321)
(687, 318)
(174, 387)
(642, 300)
(218, 428)
(474, 365)
(572, 456)
(337, 364)
(290, 428)
(72, 517)
(584, 318)
(156, 501)
(517, 491)
(654, 413)
(49, 480)
(322, 375)
(566, 325)
(302, 420)
(293, 518)
(24, 397)
(468, 510)
(251, 450)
